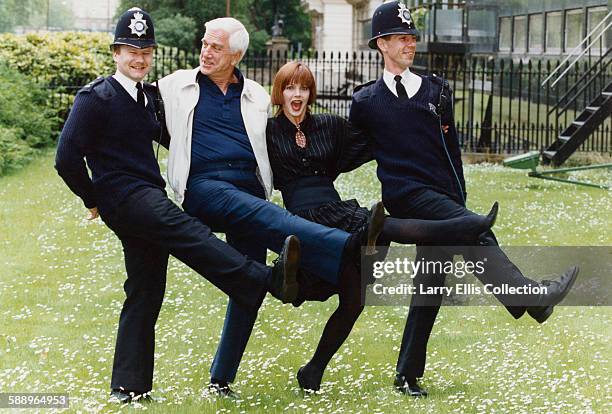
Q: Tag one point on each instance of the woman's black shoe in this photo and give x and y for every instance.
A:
(492, 216)
(375, 227)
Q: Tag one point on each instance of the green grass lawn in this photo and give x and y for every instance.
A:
(61, 292)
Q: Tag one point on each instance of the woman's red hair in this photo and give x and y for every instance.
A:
(291, 73)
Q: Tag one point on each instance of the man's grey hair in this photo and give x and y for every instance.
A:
(238, 35)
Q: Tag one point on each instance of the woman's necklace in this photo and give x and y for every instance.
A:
(300, 138)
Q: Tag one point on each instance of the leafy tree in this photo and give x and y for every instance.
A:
(60, 16)
(19, 12)
(176, 31)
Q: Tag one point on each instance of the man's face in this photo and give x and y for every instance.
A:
(133, 62)
(216, 56)
(398, 50)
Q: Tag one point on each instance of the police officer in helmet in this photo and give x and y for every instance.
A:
(410, 119)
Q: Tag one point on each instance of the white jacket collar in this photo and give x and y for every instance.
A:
(190, 78)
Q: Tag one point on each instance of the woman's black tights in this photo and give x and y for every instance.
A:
(406, 231)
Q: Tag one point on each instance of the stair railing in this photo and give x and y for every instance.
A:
(585, 86)
(607, 21)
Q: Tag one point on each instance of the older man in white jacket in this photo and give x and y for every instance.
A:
(220, 172)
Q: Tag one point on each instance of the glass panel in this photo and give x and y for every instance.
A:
(505, 33)
(520, 33)
(535, 33)
(553, 32)
(449, 24)
(594, 17)
(481, 23)
(574, 29)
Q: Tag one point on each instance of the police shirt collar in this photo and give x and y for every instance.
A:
(128, 84)
(411, 81)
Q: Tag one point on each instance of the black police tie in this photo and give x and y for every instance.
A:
(140, 95)
(399, 87)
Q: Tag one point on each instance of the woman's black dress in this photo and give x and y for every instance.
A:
(305, 178)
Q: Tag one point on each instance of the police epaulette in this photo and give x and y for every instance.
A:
(104, 89)
(89, 87)
(362, 91)
(364, 85)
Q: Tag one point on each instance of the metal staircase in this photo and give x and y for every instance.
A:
(588, 93)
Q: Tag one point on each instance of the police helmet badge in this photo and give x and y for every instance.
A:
(135, 28)
(391, 18)
(138, 24)
(404, 14)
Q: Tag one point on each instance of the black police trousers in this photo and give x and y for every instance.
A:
(151, 227)
(430, 205)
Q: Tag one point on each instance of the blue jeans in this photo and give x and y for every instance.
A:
(231, 201)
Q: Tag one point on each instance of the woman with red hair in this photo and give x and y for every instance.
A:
(307, 153)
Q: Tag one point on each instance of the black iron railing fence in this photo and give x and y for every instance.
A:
(500, 106)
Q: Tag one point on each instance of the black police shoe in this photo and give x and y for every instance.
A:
(221, 389)
(126, 397)
(557, 290)
(409, 386)
(284, 285)
(309, 379)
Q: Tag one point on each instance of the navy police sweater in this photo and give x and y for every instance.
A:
(407, 145)
(108, 128)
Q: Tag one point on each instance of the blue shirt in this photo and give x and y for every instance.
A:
(218, 128)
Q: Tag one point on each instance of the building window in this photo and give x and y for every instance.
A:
(574, 28)
(594, 16)
(362, 27)
(553, 32)
(505, 34)
(520, 33)
(536, 40)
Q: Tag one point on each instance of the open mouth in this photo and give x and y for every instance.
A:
(296, 105)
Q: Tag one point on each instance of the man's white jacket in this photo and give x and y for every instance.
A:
(180, 92)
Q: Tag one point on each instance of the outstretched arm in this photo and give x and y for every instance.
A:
(354, 146)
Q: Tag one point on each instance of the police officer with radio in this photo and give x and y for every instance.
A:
(111, 126)
(410, 119)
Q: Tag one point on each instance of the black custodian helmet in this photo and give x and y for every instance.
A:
(135, 28)
(391, 18)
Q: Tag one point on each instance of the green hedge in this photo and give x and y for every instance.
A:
(26, 121)
(55, 58)
(34, 71)
(39, 76)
